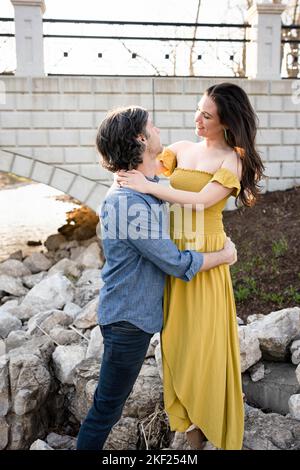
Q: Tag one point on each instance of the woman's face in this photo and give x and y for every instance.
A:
(207, 121)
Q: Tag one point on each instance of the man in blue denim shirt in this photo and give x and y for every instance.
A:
(139, 254)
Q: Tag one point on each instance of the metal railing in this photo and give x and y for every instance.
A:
(148, 48)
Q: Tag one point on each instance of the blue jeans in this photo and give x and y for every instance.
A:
(125, 347)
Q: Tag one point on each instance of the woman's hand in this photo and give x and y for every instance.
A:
(133, 179)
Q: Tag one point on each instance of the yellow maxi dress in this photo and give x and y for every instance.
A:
(200, 344)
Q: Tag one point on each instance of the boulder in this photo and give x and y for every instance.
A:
(33, 279)
(59, 442)
(4, 428)
(95, 347)
(294, 406)
(249, 348)
(14, 268)
(87, 318)
(8, 323)
(54, 242)
(72, 309)
(15, 339)
(276, 331)
(51, 293)
(90, 257)
(270, 431)
(85, 379)
(63, 336)
(88, 287)
(65, 359)
(146, 393)
(37, 262)
(257, 372)
(12, 285)
(40, 445)
(67, 267)
(123, 436)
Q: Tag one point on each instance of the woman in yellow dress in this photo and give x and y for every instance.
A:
(200, 344)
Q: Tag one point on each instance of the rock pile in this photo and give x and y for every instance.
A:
(51, 349)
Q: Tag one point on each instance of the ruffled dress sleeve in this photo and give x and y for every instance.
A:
(169, 161)
(227, 179)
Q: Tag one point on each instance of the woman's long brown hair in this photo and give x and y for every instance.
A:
(236, 112)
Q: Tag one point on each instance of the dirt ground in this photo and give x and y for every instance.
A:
(267, 275)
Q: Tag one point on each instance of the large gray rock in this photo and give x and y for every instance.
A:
(87, 318)
(276, 331)
(54, 242)
(146, 393)
(30, 382)
(51, 293)
(25, 429)
(95, 347)
(90, 257)
(42, 347)
(4, 386)
(257, 372)
(65, 359)
(72, 309)
(67, 267)
(37, 262)
(8, 323)
(295, 351)
(12, 285)
(124, 435)
(270, 431)
(59, 442)
(158, 360)
(249, 348)
(154, 341)
(40, 445)
(16, 339)
(294, 406)
(25, 387)
(14, 268)
(63, 336)
(34, 279)
(23, 312)
(10, 304)
(46, 321)
(298, 373)
(85, 379)
(274, 390)
(3, 433)
(88, 287)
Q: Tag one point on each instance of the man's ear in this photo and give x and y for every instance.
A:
(142, 138)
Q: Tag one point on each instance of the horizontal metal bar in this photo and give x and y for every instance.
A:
(141, 23)
(290, 41)
(138, 76)
(136, 38)
(290, 26)
(148, 23)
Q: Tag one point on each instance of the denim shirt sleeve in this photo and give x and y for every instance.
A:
(147, 234)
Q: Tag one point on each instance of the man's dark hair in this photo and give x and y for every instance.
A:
(117, 138)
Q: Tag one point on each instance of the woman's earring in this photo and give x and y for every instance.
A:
(225, 134)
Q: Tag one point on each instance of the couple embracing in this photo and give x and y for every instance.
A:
(160, 278)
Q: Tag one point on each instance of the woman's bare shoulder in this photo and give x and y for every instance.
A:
(180, 146)
(233, 162)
